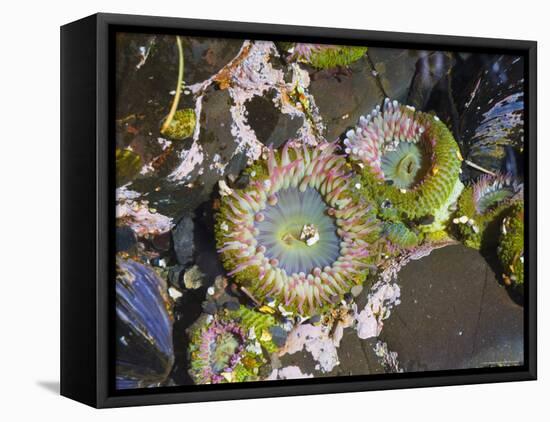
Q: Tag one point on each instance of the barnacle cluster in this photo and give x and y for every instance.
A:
(482, 206)
(298, 233)
(410, 165)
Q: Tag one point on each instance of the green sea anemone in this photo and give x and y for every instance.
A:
(410, 165)
(324, 56)
(511, 247)
(216, 349)
(298, 233)
(482, 206)
(231, 346)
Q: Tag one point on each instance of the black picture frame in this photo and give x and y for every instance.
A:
(87, 210)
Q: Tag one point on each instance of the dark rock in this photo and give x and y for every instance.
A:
(210, 308)
(453, 315)
(271, 127)
(430, 69)
(175, 197)
(175, 275)
(395, 69)
(314, 319)
(126, 239)
(231, 305)
(162, 242)
(183, 240)
(278, 335)
(262, 116)
(342, 101)
(351, 354)
(205, 56)
(286, 128)
(240, 182)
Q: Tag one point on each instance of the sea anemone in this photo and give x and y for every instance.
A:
(298, 233)
(231, 345)
(216, 348)
(144, 350)
(325, 56)
(511, 247)
(410, 164)
(482, 206)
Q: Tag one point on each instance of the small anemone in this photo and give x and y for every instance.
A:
(232, 345)
(409, 159)
(298, 233)
(216, 349)
(325, 56)
(511, 247)
(482, 206)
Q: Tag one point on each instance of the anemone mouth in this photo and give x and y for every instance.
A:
(405, 166)
(218, 348)
(222, 350)
(489, 192)
(297, 233)
(411, 154)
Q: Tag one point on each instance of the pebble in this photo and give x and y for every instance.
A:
(193, 278)
(210, 308)
(356, 290)
(231, 305)
(278, 335)
(183, 239)
(174, 293)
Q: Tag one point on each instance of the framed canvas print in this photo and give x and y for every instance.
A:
(255, 210)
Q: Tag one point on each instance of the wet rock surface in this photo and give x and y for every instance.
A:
(395, 69)
(454, 314)
(342, 98)
(272, 127)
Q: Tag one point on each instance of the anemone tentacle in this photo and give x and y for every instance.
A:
(298, 233)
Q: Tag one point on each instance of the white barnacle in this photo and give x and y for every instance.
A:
(224, 189)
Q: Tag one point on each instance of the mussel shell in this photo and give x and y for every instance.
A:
(493, 114)
(144, 348)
